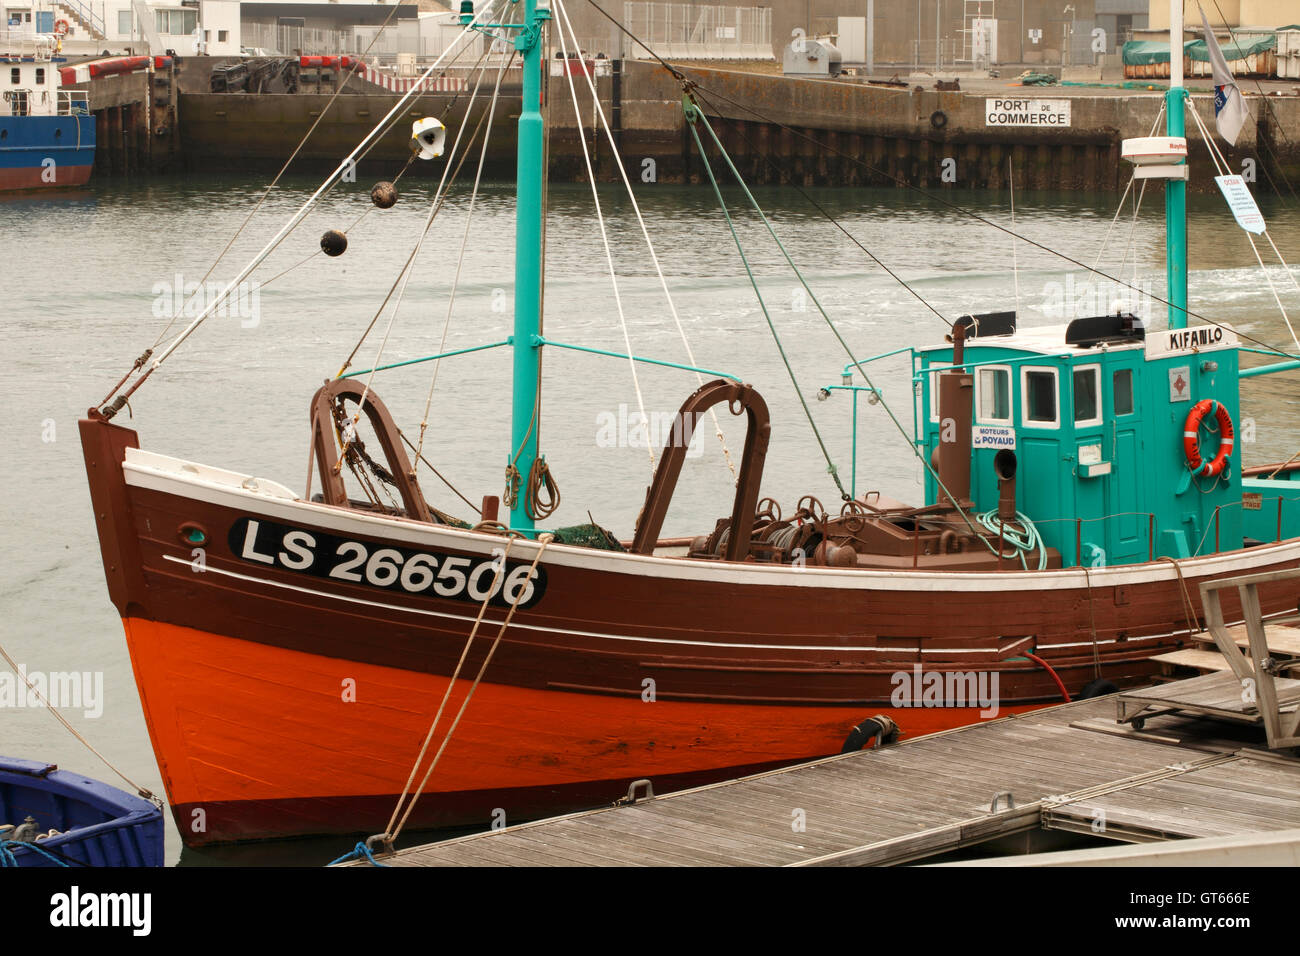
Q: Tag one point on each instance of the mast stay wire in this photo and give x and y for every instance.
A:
(408, 268)
(348, 162)
(1119, 207)
(460, 261)
(604, 238)
(283, 169)
(699, 117)
(645, 232)
(798, 391)
(696, 87)
(1221, 166)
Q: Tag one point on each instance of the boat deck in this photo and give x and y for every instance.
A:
(1069, 767)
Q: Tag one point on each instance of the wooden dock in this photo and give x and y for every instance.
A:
(1071, 768)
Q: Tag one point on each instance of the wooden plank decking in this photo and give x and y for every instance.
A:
(1065, 767)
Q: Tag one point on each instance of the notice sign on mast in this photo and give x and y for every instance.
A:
(1242, 203)
(1020, 112)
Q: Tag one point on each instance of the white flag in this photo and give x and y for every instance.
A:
(1230, 113)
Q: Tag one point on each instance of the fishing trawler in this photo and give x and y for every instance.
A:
(47, 134)
(294, 652)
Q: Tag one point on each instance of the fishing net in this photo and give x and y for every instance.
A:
(588, 536)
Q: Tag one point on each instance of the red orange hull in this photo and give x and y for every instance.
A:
(255, 741)
(288, 685)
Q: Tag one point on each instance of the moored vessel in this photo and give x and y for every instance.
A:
(291, 649)
(47, 133)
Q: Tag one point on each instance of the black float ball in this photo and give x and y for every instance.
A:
(383, 195)
(333, 243)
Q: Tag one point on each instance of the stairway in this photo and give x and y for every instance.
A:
(83, 16)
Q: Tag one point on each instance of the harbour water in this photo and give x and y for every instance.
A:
(90, 281)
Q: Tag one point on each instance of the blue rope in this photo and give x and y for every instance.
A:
(358, 852)
(7, 857)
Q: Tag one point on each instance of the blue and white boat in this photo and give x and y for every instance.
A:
(47, 133)
(51, 817)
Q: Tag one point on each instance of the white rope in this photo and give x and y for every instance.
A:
(604, 238)
(438, 200)
(451, 683)
(1223, 169)
(543, 540)
(298, 216)
(460, 260)
(654, 258)
(72, 730)
(1138, 197)
(1120, 207)
(1015, 261)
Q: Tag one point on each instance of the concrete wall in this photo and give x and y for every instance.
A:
(813, 132)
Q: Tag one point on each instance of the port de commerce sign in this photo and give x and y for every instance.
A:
(1022, 112)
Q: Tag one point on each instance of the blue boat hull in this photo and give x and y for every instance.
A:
(98, 825)
(46, 152)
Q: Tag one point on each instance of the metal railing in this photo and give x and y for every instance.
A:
(86, 14)
(74, 103)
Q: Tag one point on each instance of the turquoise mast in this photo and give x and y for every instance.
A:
(524, 424)
(1176, 189)
(529, 213)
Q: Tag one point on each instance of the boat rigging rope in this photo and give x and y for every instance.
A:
(274, 182)
(692, 116)
(541, 494)
(410, 161)
(1092, 620)
(449, 175)
(609, 254)
(347, 163)
(460, 261)
(1119, 208)
(645, 232)
(390, 834)
(785, 178)
(445, 481)
(1188, 608)
(1221, 166)
(147, 794)
(440, 198)
(697, 88)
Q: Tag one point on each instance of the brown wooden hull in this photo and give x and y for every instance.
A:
(617, 666)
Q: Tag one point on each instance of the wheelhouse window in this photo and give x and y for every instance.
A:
(1087, 395)
(1038, 397)
(1121, 391)
(934, 371)
(40, 75)
(993, 396)
(15, 76)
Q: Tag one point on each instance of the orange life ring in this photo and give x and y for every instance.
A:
(61, 28)
(1192, 443)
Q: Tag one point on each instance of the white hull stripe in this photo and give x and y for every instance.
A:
(418, 535)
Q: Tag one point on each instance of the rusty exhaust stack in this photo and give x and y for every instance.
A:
(1004, 466)
(956, 411)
